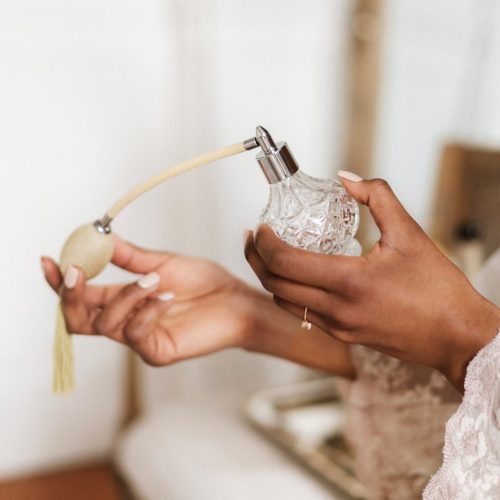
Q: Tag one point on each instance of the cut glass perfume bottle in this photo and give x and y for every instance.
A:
(309, 213)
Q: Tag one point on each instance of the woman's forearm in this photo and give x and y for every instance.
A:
(275, 332)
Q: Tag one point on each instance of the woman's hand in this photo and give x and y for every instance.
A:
(180, 308)
(404, 298)
(184, 307)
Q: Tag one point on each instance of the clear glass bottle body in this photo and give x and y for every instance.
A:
(313, 214)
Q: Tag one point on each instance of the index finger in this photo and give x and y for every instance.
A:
(325, 271)
(136, 259)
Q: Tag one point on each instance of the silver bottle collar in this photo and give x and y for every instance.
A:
(276, 160)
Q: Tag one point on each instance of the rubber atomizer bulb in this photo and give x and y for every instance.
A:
(309, 213)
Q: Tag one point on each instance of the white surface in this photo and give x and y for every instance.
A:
(314, 423)
(205, 450)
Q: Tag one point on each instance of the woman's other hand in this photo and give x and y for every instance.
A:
(179, 308)
(405, 298)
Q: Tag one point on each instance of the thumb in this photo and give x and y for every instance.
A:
(135, 259)
(387, 211)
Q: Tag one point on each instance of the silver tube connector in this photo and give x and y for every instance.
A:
(103, 224)
(250, 143)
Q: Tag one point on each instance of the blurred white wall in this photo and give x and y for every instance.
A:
(96, 96)
(440, 78)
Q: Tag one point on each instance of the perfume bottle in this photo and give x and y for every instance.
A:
(309, 213)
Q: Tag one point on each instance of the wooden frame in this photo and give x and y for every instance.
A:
(468, 190)
(363, 84)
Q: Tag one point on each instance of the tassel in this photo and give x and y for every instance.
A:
(64, 376)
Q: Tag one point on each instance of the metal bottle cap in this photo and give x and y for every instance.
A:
(276, 160)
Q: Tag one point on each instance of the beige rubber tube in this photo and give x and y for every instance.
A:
(203, 159)
(91, 250)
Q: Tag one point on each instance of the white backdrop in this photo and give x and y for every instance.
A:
(95, 97)
(440, 80)
(98, 95)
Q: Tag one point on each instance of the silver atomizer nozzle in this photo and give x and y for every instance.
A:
(275, 159)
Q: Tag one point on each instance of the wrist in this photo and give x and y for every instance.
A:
(476, 329)
(257, 319)
(245, 303)
(273, 331)
(267, 328)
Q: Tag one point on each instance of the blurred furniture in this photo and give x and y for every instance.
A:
(468, 192)
(206, 449)
(307, 420)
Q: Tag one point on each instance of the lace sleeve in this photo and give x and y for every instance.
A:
(471, 465)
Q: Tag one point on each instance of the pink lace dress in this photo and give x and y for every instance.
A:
(396, 420)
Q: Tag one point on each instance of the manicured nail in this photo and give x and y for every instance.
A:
(70, 277)
(350, 176)
(149, 280)
(166, 296)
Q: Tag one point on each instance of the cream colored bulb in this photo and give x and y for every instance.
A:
(88, 249)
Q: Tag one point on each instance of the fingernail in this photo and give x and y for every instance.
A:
(70, 277)
(350, 176)
(44, 266)
(149, 280)
(166, 296)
